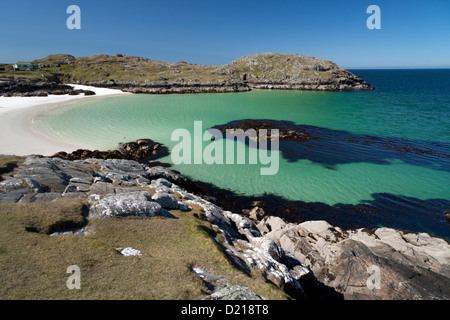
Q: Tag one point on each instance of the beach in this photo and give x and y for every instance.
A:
(17, 132)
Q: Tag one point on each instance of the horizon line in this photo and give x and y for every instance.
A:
(398, 68)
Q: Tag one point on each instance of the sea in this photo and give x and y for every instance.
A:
(386, 149)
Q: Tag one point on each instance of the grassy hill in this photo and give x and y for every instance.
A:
(264, 68)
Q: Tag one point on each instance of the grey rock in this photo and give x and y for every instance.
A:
(408, 265)
(183, 207)
(74, 195)
(79, 180)
(143, 182)
(13, 196)
(102, 188)
(118, 177)
(214, 215)
(41, 197)
(46, 197)
(126, 190)
(397, 280)
(77, 172)
(213, 281)
(271, 223)
(298, 272)
(127, 252)
(100, 177)
(33, 185)
(28, 197)
(166, 200)
(155, 173)
(128, 168)
(11, 184)
(162, 185)
(234, 293)
(46, 162)
(241, 222)
(256, 214)
(45, 172)
(70, 188)
(163, 182)
(126, 204)
(81, 187)
(244, 226)
(269, 247)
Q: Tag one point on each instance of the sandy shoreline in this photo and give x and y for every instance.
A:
(18, 135)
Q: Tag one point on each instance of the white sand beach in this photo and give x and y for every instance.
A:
(17, 134)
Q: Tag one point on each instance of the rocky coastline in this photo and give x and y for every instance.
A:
(43, 89)
(39, 89)
(345, 84)
(142, 150)
(307, 260)
(264, 71)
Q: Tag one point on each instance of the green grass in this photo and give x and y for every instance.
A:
(136, 69)
(64, 214)
(28, 76)
(33, 265)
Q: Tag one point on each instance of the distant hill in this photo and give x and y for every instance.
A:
(137, 74)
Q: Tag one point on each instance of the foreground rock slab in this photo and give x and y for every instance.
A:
(234, 293)
(367, 264)
(126, 204)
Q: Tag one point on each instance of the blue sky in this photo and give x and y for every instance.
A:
(413, 33)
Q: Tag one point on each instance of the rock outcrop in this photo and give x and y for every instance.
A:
(39, 89)
(234, 293)
(311, 260)
(367, 264)
(124, 205)
(295, 72)
(141, 75)
(175, 87)
(127, 252)
(286, 131)
(258, 71)
(141, 150)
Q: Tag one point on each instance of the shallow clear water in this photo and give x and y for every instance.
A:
(407, 104)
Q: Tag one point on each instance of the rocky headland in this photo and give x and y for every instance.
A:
(141, 75)
(307, 260)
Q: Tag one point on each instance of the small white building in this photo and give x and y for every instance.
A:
(24, 66)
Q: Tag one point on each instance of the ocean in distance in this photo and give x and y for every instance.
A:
(388, 148)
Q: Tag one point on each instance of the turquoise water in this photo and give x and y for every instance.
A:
(410, 104)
